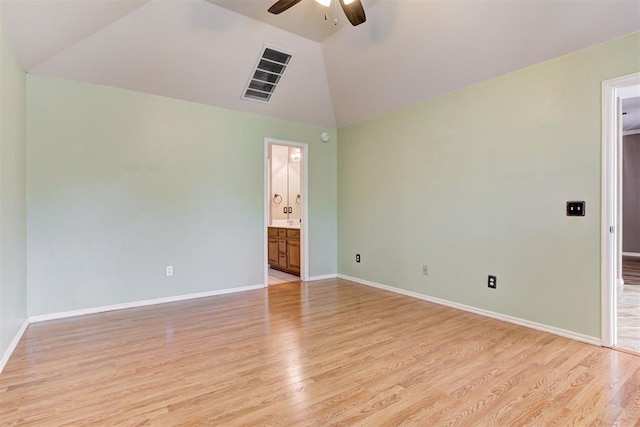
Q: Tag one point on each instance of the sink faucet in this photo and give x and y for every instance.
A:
(290, 221)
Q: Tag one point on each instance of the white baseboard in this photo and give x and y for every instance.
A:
(94, 310)
(322, 277)
(510, 319)
(12, 346)
(631, 254)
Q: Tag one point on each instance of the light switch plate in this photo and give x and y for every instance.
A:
(575, 209)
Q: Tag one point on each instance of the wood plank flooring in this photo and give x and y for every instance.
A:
(631, 270)
(325, 353)
(628, 316)
(276, 277)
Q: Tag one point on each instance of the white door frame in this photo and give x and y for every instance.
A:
(613, 91)
(304, 191)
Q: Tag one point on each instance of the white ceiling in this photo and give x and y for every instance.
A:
(631, 113)
(406, 52)
(306, 19)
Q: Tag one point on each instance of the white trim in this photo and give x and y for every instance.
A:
(607, 247)
(13, 345)
(631, 254)
(610, 241)
(135, 304)
(322, 277)
(631, 132)
(505, 318)
(304, 227)
(267, 204)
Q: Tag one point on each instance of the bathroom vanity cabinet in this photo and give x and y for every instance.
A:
(284, 249)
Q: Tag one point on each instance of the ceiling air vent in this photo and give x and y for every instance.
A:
(267, 74)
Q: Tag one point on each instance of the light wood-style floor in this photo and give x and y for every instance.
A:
(329, 352)
(631, 270)
(628, 316)
(278, 277)
(628, 305)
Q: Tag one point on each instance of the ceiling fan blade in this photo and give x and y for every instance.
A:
(282, 5)
(354, 11)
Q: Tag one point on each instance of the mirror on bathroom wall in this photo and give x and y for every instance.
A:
(286, 200)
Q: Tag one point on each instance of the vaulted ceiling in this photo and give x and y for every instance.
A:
(204, 51)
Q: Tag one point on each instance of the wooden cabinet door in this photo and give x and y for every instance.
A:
(273, 252)
(282, 261)
(293, 253)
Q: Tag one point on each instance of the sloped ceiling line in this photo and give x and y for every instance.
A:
(40, 30)
(406, 52)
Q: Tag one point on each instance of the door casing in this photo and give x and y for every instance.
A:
(304, 193)
(613, 92)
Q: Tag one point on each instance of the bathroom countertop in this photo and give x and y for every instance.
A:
(292, 227)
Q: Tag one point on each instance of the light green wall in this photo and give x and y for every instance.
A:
(475, 183)
(122, 184)
(13, 282)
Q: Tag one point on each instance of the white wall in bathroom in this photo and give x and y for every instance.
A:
(279, 154)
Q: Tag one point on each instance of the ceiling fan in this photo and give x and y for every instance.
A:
(352, 8)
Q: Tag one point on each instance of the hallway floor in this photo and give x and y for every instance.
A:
(629, 317)
(631, 270)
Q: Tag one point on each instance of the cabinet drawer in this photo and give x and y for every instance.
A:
(282, 232)
(273, 232)
(295, 234)
(282, 246)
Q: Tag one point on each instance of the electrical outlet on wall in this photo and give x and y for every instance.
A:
(425, 270)
(357, 257)
(169, 270)
(492, 282)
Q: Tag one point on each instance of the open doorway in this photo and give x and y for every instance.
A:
(286, 248)
(628, 295)
(620, 293)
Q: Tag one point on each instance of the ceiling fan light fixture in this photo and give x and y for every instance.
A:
(327, 3)
(352, 9)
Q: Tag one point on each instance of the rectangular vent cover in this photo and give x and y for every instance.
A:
(267, 74)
